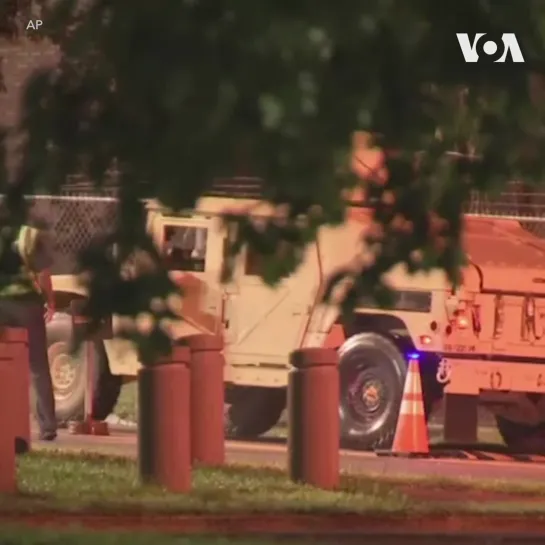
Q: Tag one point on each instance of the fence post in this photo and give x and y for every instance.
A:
(313, 417)
(14, 403)
(207, 399)
(164, 449)
(105, 331)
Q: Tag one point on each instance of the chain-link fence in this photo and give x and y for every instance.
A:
(519, 202)
(74, 221)
(81, 214)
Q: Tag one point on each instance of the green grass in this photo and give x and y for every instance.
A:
(25, 536)
(521, 489)
(82, 482)
(74, 481)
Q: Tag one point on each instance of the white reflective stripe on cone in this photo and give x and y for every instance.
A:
(410, 407)
(415, 385)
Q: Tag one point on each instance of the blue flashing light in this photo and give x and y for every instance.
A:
(413, 356)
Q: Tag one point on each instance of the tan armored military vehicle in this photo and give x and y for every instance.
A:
(484, 341)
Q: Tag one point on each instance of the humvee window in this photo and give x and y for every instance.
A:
(185, 248)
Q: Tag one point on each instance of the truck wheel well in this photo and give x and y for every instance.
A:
(385, 324)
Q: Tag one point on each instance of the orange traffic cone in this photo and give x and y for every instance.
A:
(411, 436)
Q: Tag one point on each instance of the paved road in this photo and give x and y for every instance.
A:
(274, 454)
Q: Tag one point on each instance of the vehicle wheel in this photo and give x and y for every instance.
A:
(253, 410)
(372, 377)
(521, 437)
(68, 374)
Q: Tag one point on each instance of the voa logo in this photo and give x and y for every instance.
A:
(490, 47)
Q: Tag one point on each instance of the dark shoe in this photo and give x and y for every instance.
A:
(48, 436)
(21, 446)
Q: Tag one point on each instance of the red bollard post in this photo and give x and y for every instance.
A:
(164, 449)
(207, 399)
(14, 343)
(313, 413)
(8, 479)
(14, 403)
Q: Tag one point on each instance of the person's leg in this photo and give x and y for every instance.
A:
(39, 369)
(8, 315)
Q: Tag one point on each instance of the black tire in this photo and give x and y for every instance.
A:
(371, 362)
(253, 410)
(70, 396)
(521, 437)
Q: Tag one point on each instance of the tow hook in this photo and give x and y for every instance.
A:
(443, 372)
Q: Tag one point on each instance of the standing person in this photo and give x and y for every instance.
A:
(25, 259)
